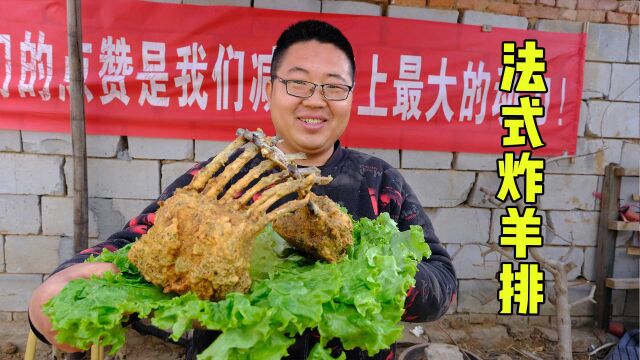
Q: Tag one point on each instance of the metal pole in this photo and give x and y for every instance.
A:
(78, 138)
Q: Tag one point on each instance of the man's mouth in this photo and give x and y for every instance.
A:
(311, 120)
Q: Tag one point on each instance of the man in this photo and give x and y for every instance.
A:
(310, 96)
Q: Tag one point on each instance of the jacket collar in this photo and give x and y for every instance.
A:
(338, 154)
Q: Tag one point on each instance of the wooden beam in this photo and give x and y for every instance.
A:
(627, 172)
(624, 226)
(633, 250)
(606, 242)
(78, 135)
(623, 283)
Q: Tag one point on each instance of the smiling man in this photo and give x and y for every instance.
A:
(310, 96)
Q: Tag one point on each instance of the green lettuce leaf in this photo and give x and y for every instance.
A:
(358, 300)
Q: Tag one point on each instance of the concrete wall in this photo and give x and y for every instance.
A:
(126, 173)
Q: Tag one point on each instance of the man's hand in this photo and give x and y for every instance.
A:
(51, 287)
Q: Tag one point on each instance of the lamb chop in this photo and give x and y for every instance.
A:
(319, 229)
(202, 237)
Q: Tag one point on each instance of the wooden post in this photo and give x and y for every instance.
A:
(78, 139)
(606, 242)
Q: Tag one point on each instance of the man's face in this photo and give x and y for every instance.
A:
(310, 125)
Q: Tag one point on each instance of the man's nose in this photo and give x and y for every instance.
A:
(316, 99)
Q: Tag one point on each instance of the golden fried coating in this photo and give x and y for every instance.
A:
(319, 229)
(203, 244)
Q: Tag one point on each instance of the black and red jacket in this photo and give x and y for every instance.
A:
(366, 186)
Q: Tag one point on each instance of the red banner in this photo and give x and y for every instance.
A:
(181, 71)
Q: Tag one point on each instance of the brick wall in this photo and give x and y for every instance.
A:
(126, 173)
(595, 11)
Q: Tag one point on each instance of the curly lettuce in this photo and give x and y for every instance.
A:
(358, 300)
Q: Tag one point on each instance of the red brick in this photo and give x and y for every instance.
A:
(617, 18)
(587, 4)
(567, 4)
(628, 7)
(479, 5)
(503, 8)
(531, 2)
(568, 14)
(607, 5)
(413, 3)
(546, 2)
(635, 19)
(441, 4)
(539, 12)
(590, 15)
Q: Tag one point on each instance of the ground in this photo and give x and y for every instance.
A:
(487, 340)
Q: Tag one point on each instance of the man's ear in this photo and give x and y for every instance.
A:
(268, 87)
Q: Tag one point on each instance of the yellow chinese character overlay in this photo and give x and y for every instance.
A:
(508, 68)
(506, 292)
(521, 231)
(529, 64)
(509, 169)
(519, 117)
(524, 287)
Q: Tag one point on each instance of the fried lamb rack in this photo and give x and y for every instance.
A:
(202, 237)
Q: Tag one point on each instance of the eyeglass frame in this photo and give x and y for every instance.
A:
(313, 91)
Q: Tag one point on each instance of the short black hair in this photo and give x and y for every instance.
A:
(308, 30)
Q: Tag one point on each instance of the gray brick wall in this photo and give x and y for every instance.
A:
(414, 159)
(447, 222)
(59, 143)
(579, 226)
(569, 192)
(405, 12)
(471, 264)
(300, 5)
(205, 149)
(10, 140)
(634, 45)
(16, 289)
(624, 82)
(604, 151)
(477, 296)
(127, 179)
(19, 214)
(126, 173)
(171, 171)
(607, 42)
(436, 188)
(351, 8)
(20, 250)
(506, 21)
(57, 216)
(24, 174)
(597, 80)
(2, 262)
(151, 148)
(613, 119)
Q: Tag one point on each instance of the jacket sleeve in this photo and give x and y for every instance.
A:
(436, 283)
(137, 226)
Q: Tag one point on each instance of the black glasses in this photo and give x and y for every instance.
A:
(305, 89)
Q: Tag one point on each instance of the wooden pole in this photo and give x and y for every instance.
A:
(78, 138)
(606, 244)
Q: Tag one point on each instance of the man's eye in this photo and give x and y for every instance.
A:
(298, 82)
